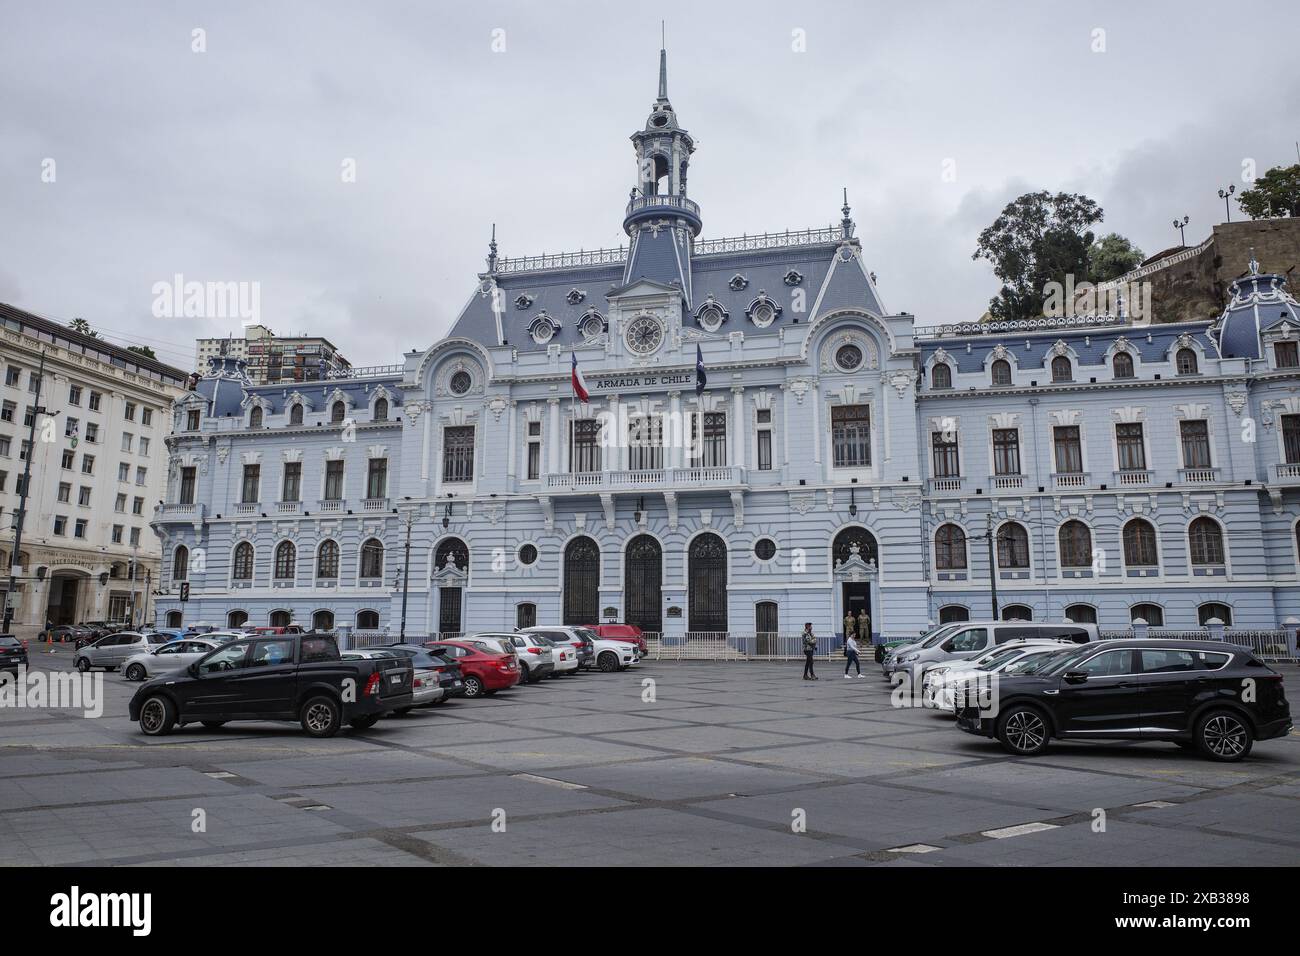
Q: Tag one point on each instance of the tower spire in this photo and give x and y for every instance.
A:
(663, 64)
(846, 224)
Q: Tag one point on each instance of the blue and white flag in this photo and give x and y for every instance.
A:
(701, 380)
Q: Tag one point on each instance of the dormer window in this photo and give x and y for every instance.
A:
(523, 301)
(295, 414)
(1001, 372)
(338, 411)
(543, 328)
(1122, 365)
(738, 283)
(763, 311)
(381, 410)
(591, 325)
(255, 417)
(1185, 362)
(711, 317)
(1062, 370)
(1286, 355)
(941, 376)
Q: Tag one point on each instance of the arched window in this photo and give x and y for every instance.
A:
(243, 563)
(1062, 370)
(581, 581)
(953, 614)
(295, 414)
(381, 410)
(706, 574)
(1206, 612)
(1001, 372)
(280, 618)
(1017, 612)
(372, 559)
(1013, 546)
(1153, 614)
(255, 417)
(843, 546)
(941, 376)
(180, 563)
(285, 557)
(455, 549)
(327, 559)
(950, 548)
(1206, 539)
(1297, 543)
(525, 615)
(1185, 362)
(367, 620)
(322, 620)
(338, 411)
(236, 619)
(1081, 613)
(1122, 365)
(1076, 545)
(174, 618)
(1140, 544)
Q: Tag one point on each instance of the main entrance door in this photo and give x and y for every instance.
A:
(582, 582)
(857, 598)
(62, 606)
(707, 573)
(448, 611)
(642, 583)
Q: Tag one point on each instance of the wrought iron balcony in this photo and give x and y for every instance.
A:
(668, 479)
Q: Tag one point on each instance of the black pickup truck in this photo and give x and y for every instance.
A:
(287, 677)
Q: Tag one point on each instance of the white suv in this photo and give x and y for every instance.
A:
(608, 655)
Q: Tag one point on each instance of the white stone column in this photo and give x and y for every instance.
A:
(738, 427)
(814, 395)
(513, 442)
(785, 433)
(553, 438)
(682, 429)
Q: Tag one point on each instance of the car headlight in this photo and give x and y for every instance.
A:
(908, 659)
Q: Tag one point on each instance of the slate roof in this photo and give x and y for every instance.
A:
(1259, 302)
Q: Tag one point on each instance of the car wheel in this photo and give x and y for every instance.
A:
(136, 672)
(1022, 730)
(608, 662)
(213, 724)
(157, 716)
(365, 721)
(524, 677)
(1224, 735)
(320, 717)
(83, 665)
(473, 687)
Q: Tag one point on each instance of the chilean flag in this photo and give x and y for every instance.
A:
(701, 380)
(579, 383)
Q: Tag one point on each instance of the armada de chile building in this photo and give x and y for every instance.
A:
(842, 457)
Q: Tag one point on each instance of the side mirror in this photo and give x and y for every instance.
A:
(193, 669)
(1075, 677)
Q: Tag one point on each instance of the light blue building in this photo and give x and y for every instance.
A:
(840, 458)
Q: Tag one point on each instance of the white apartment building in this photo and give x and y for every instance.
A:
(99, 466)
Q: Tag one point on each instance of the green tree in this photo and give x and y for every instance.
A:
(1276, 194)
(82, 326)
(1111, 256)
(142, 350)
(1038, 238)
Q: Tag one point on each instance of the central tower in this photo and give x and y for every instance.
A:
(663, 155)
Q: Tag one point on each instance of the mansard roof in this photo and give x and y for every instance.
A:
(1260, 301)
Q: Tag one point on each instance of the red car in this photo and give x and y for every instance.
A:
(484, 670)
(628, 633)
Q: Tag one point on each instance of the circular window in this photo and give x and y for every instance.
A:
(711, 319)
(848, 357)
(592, 326)
(542, 332)
(765, 549)
(763, 315)
(528, 554)
(460, 382)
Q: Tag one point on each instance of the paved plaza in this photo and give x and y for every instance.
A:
(731, 763)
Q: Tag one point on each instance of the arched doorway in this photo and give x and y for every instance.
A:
(707, 581)
(174, 618)
(766, 625)
(581, 581)
(322, 620)
(854, 559)
(450, 575)
(953, 614)
(236, 619)
(280, 619)
(1017, 612)
(64, 591)
(526, 615)
(642, 583)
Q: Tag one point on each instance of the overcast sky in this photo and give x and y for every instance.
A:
(227, 165)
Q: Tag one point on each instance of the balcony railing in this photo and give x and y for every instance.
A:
(1287, 471)
(946, 483)
(248, 507)
(688, 206)
(1194, 476)
(374, 504)
(186, 512)
(330, 504)
(1006, 482)
(672, 478)
(1070, 479)
(288, 507)
(1133, 476)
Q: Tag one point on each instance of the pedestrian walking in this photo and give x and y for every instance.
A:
(851, 652)
(809, 649)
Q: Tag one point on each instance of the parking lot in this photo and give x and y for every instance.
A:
(729, 763)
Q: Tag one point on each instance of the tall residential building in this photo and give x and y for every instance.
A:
(271, 358)
(762, 442)
(98, 468)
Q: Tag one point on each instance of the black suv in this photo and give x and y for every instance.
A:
(1209, 695)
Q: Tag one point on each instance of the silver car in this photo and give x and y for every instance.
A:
(425, 689)
(169, 658)
(113, 650)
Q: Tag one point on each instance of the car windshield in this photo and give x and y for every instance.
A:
(989, 661)
(420, 656)
(1055, 661)
(587, 633)
(9, 642)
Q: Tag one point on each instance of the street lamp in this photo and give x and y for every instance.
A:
(992, 537)
(1224, 196)
(1180, 225)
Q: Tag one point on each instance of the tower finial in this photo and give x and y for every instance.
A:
(1254, 263)
(663, 72)
(846, 224)
(492, 250)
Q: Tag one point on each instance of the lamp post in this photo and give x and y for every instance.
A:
(991, 537)
(406, 574)
(1224, 194)
(1180, 225)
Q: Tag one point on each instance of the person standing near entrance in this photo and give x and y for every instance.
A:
(848, 624)
(851, 652)
(809, 649)
(864, 626)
